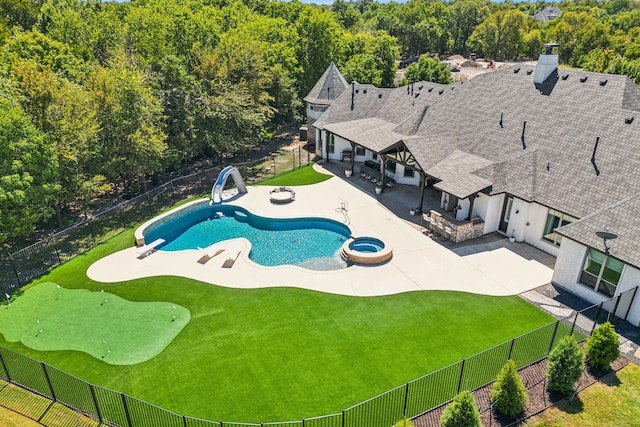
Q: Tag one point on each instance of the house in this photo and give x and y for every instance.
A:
(545, 155)
(547, 14)
(326, 90)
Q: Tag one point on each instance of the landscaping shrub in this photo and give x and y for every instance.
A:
(405, 423)
(508, 392)
(462, 412)
(602, 347)
(565, 365)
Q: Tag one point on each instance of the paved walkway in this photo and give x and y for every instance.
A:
(418, 263)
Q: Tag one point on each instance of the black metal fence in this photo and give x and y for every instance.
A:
(19, 268)
(410, 400)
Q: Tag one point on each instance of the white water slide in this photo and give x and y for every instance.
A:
(218, 186)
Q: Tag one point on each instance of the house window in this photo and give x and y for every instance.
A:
(390, 166)
(555, 219)
(408, 173)
(601, 272)
(330, 143)
(375, 156)
(359, 151)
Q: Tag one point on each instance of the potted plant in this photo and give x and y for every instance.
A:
(512, 238)
(378, 189)
(348, 172)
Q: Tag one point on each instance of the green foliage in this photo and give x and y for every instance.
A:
(508, 392)
(602, 346)
(428, 69)
(405, 423)
(501, 35)
(462, 412)
(28, 173)
(564, 367)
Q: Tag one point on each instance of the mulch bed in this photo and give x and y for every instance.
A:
(534, 378)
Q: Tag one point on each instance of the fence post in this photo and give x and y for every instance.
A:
(95, 402)
(15, 270)
(615, 306)
(55, 249)
(46, 376)
(595, 320)
(173, 192)
(573, 326)
(293, 155)
(461, 375)
(92, 231)
(631, 303)
(513, 341)
(4, 365)
(553, 337)
(299, 157)
(343, 418)
(406, 400)
(149, 204)
(126, 409)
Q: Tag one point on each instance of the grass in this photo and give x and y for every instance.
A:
(614, 401)
(284, 354)
(13, 419)
(306, 175)
(49, 317)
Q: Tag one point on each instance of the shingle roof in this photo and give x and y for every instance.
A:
(485, 117)
(620, 218)
(456, 174)
(328, 88)
(547, 14)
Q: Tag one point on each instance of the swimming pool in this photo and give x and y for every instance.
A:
(312, 243)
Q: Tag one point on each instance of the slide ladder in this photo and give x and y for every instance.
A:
(218, 186)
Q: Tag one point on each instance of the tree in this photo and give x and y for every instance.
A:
(508, 392)
(465, 16)
(428, 69)
(28, 173)
(405, 423)
(564, 367)
(602, 347)
(370, 58)
(462, 412)
(500, 36)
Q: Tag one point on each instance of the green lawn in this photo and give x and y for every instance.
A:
(306, 175)
(282, 353)
(612, 402)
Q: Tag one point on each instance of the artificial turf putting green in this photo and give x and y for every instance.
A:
(48, 317)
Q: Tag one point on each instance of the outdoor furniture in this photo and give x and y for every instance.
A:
(372, 164)
(390, 184)
(346, 155)
(146, 250)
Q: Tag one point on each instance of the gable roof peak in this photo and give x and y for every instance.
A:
(329, 87)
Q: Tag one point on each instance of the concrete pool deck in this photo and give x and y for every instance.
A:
(418, 263)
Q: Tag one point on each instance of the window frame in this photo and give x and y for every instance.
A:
(600, 283)
(550, 236)
(360, 150)
(331, 143)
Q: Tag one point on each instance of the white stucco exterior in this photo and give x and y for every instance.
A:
(567, 274)
(492, 215)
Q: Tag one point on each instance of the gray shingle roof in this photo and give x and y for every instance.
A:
(621, 218)
(547, 14)
(328, 88)
(485, 117)
(456, 173)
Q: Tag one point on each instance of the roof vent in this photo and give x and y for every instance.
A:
(516, 71)
(628, 120)
(420, 87)
(379, 96)
(364, 91)
(583, 79)
(548, 166)
(593, 157)
(453, 87)
(407, 89)
(417, 94)
(529, 72)
(430, 89)
(441, 91)
(604, 82)
(500, 122)
(565, 77)
(524, 146)
(357, 90)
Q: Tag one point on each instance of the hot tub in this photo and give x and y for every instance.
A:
(366, 250)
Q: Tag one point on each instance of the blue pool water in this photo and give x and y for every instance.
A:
(312, 243)
(366, 244)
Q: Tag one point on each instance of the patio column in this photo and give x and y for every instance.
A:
(353, 154)
(472, 198)
(383, 167)
(423, 183)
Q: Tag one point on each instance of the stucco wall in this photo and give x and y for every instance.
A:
(567, 273)
(537, 219)
(492, 216)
